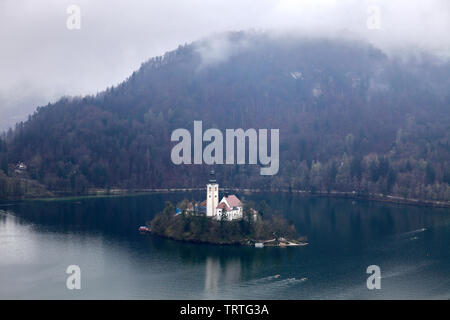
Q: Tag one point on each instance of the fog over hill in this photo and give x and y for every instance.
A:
(42, 60)
(351, 118)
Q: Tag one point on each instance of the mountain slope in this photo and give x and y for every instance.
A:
(350, 118)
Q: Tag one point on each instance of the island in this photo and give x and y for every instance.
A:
(229, 221)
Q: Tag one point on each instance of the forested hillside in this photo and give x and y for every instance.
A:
(350, 118)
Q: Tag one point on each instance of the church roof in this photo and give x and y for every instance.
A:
(223, 205)
(233, 201)
(230, 202)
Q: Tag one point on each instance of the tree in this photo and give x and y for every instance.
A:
(331, 175)
(121, 137)
(169, 209)
(355, 166)
(4, 164)
(263, 208)
(430, 174)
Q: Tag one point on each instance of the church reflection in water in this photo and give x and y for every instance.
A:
(219, 274)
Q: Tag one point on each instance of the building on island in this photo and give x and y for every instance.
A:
(20, 168)
(212, 196)
(229, 208)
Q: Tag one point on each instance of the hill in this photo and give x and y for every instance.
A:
(351, 118)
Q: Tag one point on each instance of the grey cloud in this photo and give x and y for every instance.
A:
(40, 59)
(218, 48)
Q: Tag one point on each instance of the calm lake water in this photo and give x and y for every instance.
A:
(39, 239)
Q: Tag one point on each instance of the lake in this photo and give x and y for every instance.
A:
(40, 239)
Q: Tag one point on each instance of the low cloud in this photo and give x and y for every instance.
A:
(41, 59)
(220, 47)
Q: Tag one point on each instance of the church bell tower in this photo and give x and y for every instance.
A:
(212, 195)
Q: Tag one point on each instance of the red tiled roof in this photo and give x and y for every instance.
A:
(233, 201)
(223, 205)
(203, 203)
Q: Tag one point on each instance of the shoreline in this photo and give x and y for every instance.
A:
(244, 243)
(116, 192)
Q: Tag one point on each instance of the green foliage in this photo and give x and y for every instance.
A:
(16, 188)
(169, 209)
(199, 228)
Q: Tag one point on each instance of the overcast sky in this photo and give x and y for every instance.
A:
(41, 59)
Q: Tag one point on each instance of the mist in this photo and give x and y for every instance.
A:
(42, 60)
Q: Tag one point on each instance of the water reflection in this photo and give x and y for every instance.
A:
(219, 274)
(38, 239)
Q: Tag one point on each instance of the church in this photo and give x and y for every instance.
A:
(229, 207)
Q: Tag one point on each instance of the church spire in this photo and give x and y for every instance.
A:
(212, 195)
(212, 177)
